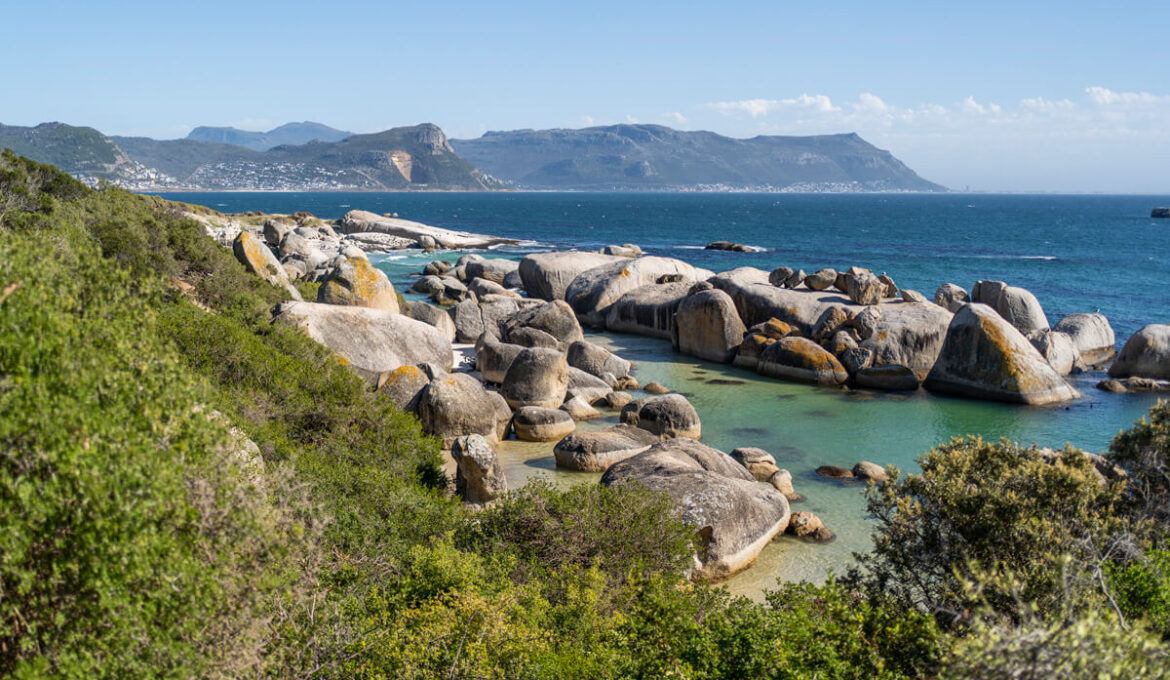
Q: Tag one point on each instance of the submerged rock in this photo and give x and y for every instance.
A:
(809, 527)
(735, 515)
(985, 357)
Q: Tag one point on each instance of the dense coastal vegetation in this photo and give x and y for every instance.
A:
(191, 491)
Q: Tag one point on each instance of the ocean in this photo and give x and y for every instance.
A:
(1075, 253)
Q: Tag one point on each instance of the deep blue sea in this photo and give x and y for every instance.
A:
(1076, 253)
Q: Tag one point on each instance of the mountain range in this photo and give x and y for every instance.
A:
(314, 157)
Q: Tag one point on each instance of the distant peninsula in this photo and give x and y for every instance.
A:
(310, 156)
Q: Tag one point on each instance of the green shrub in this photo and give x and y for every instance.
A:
(979, 505)
(1142, 589)
(1144, 451)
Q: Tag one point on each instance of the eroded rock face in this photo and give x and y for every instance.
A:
(648, 310)
(667, 415)
(758, 462)
(1146, 354)
(735, 515)
(537, 377)
(951, 297)
(708, 326)
(985, 357)
(536, 424)
(801, 360)
(593, 291)
(547, 275)
(455, 405)
(554, 318)
(370, 340)
(258, 259)
(1091, 335)
(865, 289)
(479, 477)
(597, 450)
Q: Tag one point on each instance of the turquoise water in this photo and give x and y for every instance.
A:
(1076, 253)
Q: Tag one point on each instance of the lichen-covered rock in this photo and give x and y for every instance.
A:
(648, 310)
(547, 275)
(555, 318)
(536, 424)
(597, 450)
(750, 350)
(951, 297)
(358, 283)
(537, 377)
(403, 386)
(668, 415)
(830, 321)
(708, 326)
(370, 340)
(758, 462)
(985, 357)
(1146, 354)
(801, 360)
(593, 291)
(596, 360)
(734, 515)
(456, 404)
(1091, 335)
(479, 477)
(258, 259)
(1021, 309)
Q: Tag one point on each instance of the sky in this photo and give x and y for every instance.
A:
(991, 96)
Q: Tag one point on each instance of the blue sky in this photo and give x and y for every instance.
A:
(1052, 96)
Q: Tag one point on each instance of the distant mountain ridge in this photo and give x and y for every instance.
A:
(420, 157)
(655, 157)
(290, 133)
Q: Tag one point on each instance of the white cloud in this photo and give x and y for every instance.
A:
(756, 108)
(631, 120)
(1103, 96)
(675, 117)
(969, 105)
(587, 120)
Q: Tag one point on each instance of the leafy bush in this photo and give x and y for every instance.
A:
(1144, 451)
(981, 505)
(1142, 588)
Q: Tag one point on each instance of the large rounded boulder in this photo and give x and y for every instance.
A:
(985, 357)
(734, 516)
(547, 275)
(1092, 335)
(494, 358)
(801, 360)
(536, 424)
(370, 340)
(593, 291)
(1145, 355)
(648, 310)
(258, 259)
(431, 315)
(597, 360)
(537, 377)
(667, 415)
(495, 270)
(708, 326)
(554, 318)
(456, 405)
(951, 297)
(597, 450)
(358, 283)
(1021, 309)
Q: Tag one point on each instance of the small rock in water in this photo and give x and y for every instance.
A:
(781, 480)
(1160, 212)
(808, 526)
(656, 388)
(730, 246)
(617, 400)
(834, 472)
(870, 471)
